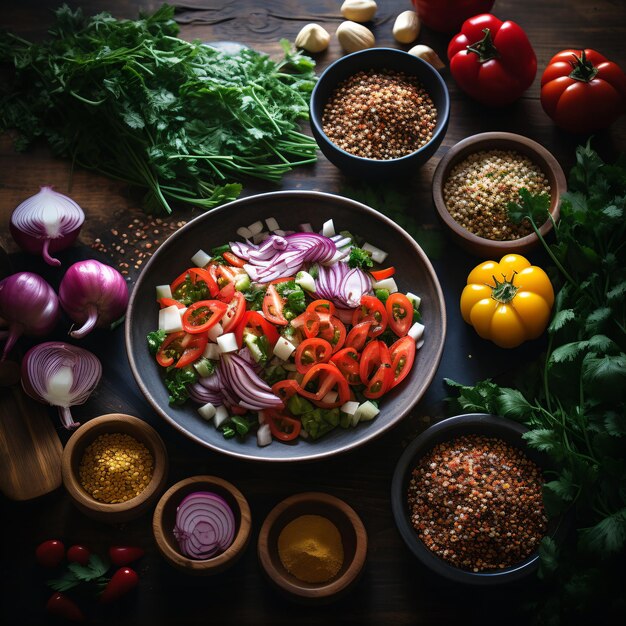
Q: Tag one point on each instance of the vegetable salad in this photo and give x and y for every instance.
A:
(289, 333)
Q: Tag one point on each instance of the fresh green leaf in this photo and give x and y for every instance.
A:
(155, 339)
(360, 258)
(596, 319)
(548, 558)
(533, 206)
(542, 439)
(615, 423)
(561, 319)
(177, 380)
(607, 536)
(511, 403)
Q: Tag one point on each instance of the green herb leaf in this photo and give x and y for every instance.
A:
(360, 258)
(533, 206)
(155, 339)
(607, 536)
(511, 403)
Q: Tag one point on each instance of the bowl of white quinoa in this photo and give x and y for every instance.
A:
(477, 179)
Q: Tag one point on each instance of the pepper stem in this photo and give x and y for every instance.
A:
(90, 323)
(46, 254)
(485, 49)
(582, 68)
(504, 291)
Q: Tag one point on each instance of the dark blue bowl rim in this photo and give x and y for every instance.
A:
(442, 120)
(425, 441)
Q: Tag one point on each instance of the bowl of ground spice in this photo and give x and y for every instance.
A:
(114, 467)
(467, 500)
(313, 546)
(379, 112)
(480, 176)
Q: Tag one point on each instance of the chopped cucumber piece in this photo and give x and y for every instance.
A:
(244, 232)
(367, 411)
(415, 300)
(204, 367)
(242, 282)
(271, 224)
(211, 352)
(298, 405)
(416, 331)
(387, 283)
(350, 407)
(256, 227)
(264, 435)
(207, 411)
(221, 415)
(305, 280)
(170, 319)
(216, 331)
(283, 348)
(328, 228)
(201, 258)
(250, 340)
(378, 255)
(227, 343)
(163, 291)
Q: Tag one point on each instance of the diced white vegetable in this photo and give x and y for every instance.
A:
(216, 331)
(260, 237)
(306, 228)
(419, 344)
(386, 283)
(264, 435)
(367, 411)
(415, 300)
(201, 258)
(378, 255)
(328, 228)
(207, 411)
(163, 291)
(256, 227)
(289, 367)
(271, 223)
(170, 320)
(330, 397)
(354, 419)
(244, 232)
(227, 343)
(305, 280)
(350, 407)
(280, 232)
(221, 415)
(211, 351)
(416, 331)
(283, 348)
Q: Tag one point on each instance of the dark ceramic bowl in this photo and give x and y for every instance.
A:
(290, 208)
(477, 424)
(380, 59)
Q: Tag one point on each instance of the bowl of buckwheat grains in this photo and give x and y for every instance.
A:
(379, 113)
(478, 179)
(466, 496)
(114, 467)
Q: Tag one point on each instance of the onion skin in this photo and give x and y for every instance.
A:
(45, 223)
(29, 305)
(93, 294)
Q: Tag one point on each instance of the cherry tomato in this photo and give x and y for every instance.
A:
(321, 306)
(203, 315)
(284, 389)
(165, 302)
(283, 427)
(124, 580)
(371, 308)
(325, 377)
(124, 555)
(50, 553)
(234, 312)
(182, 347)
(333, 331)
(273, 306)
(402, 354)
(358, 335)
(310, 352)
(257, 324)
(179, 287)
(233, 259)
(400, 313)
(227, 275)
(375, 369)
(226, 293)
(78, 554)
(61, 606)
(382, 274)
(308, 323)
(347, 362)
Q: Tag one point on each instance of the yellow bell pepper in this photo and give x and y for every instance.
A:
(507, 302)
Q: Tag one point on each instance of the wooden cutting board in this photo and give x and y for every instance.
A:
(30, 449)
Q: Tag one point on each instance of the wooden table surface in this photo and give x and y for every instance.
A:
(394, 588)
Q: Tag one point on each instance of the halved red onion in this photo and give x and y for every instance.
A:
(205, 525)
(341, 285)
(202, 395)
(241, 378)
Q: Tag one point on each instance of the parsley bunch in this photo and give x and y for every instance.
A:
(574, 401)
(128, 98)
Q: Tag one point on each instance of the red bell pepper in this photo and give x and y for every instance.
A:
(446, 16)
(491, 60)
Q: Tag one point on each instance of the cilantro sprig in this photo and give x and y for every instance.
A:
(93, 572)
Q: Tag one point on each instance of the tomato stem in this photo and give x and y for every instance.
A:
(485, 49)
(504, 291)
(582, 69)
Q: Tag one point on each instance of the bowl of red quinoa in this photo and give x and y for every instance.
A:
(467, 500)
(479, 176)
(379, 113)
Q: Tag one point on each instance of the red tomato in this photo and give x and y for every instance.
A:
(402, 354)
(358, 335)
(226, 293)
(195, 274)
(284, 389)
(307, 322)
(582, 91)
(124, 555)
(325, 377)
(310, 352)
(333, 331)
(233, 259)
(371, 308)
(257, 324)
(61, 606)
(78, 554)
(321, 306)
(234, 312)
(273, 306)
(182, 347)
(227, 274)
(347, 362)
(165, 302)
(446, 16)
(400, 313)
(382, 274)
(491, 60)
(283, 427)
(203, 315)
(375, 369)
(120, 584)
(50, 553)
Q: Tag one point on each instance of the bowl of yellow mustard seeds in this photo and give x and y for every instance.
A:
(313, 546)
(114, 467)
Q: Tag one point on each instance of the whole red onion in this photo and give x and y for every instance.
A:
(93, 294)
(29, 305)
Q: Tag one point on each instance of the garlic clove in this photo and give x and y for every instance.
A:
(354, 37)
(359, 10)
(427, 54)
(407, 26)
(312, 38)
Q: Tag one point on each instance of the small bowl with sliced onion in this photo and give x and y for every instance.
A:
(202, 525)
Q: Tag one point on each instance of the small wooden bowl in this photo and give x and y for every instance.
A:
(353, 535)
(73, 454)
(164, 521)
(480, 246)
